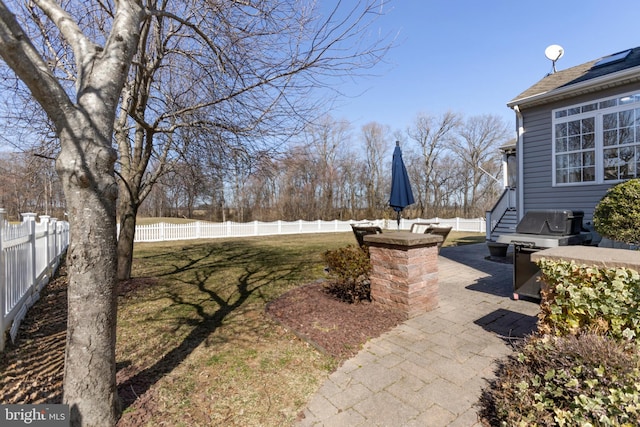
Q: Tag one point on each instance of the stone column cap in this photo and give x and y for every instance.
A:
(402, 239)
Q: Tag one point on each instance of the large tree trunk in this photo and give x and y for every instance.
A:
(86, 168)
(128, 213)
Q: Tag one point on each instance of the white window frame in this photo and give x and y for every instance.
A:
(596, 109)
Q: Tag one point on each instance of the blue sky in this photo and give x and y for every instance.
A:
(473, 56)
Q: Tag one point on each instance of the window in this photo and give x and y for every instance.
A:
(597, 142)
(620, 139)
(575, 151)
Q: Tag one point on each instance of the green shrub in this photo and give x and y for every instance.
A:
(577, 298)
(617, 215)
(349, 270)
(585, 380)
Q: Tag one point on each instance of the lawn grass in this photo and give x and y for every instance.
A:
(194, 335)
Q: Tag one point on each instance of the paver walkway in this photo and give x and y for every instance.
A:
(429, 371)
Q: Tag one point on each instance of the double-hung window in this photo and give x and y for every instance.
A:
(597, 142)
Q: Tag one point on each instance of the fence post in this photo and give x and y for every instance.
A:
(59, 239)
(54, 245)
(3, 281)
(44, 221)
(30, 218)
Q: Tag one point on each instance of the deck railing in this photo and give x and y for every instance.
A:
(506, 201)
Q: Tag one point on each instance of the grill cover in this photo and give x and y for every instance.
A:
(551, 222)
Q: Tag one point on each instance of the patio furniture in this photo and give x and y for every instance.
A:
(362, 230)
(421, 227)
(432, 228)
(440, 230)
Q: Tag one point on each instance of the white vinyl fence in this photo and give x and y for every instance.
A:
(210, 230)
(29, 254)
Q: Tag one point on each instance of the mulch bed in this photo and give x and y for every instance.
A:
(334, 327)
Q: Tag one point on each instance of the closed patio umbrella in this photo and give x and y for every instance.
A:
(401, 194)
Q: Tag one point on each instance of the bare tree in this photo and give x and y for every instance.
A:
(83, 117)
(244, 71)
(299, 184)
(263, 190)
(376, 142)
(14, 186)
(325, 142)
(350, 187)
(476, 144)
(75, 60)
(430, 133)
(156, 203)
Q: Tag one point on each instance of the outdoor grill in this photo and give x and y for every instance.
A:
(538, 230)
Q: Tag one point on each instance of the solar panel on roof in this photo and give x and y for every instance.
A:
(620, 56)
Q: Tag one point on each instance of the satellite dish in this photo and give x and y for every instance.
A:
(553, 53)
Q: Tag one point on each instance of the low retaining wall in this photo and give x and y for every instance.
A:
(591, 255)
(404, 271)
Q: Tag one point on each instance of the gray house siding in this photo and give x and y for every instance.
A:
(536, 185)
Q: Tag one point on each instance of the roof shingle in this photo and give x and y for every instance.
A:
(580, 73)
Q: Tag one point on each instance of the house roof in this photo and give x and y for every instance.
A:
(588, 77)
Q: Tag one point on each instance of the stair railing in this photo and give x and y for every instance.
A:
(506, 201)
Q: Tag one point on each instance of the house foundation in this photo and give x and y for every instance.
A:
(404, 271)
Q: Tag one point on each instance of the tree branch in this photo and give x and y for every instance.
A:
(82, 47)
(19, 53)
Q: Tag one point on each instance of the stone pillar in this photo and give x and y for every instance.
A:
(404, 270)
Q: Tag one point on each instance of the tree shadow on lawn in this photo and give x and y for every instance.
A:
(31, 371)
(263, 267)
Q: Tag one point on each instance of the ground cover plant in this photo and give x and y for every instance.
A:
(598, 299)
(583, 365)
(195, 344)
(585, 380)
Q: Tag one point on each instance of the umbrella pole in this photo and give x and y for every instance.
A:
(398, 220)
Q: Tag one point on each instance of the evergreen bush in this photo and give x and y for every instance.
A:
(617, 215)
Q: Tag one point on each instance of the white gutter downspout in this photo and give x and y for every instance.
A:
(505, 174)
(519, 157)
